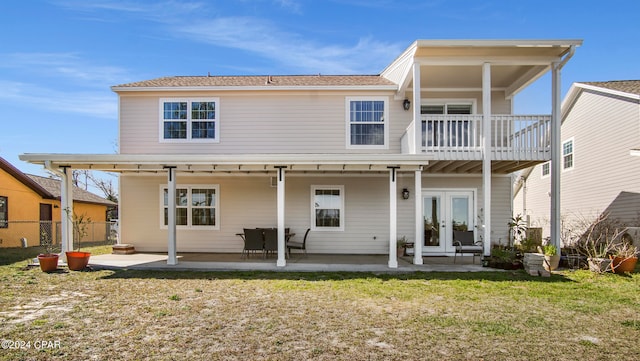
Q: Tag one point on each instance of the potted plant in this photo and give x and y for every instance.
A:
(598, 243)
(625, 257)
(76, 260)
(48, 260)
(401, 246)
(551, 257)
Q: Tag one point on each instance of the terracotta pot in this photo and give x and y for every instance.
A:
(551, 263)
(48, 262)
(77, 261)
(622, 264)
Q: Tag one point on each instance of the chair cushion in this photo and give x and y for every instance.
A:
(469, 249)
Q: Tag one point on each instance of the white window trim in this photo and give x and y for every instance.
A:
(385, 123)
(452, 101)
(573, 153)
(189, 187)
(313, 208)
(189, 121)
(542, 175)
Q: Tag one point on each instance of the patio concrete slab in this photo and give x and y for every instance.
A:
(297, 263)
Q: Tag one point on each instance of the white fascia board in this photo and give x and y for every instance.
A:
(609, 91)
(500, 43)
(114, 161)
(251, 88)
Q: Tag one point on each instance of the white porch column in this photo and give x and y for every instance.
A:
(486, 160)
(393, 218)
(556, 158)
(417, 121)
(280, 203)
(417, 193)
(172, 258)
(66, 217)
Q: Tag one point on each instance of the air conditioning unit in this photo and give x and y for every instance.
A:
(634, 233)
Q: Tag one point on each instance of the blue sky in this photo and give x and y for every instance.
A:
(58, 58)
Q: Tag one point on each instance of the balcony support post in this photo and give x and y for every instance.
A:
(555, 153)
(417, 121)
(486, 156)
(417, 193)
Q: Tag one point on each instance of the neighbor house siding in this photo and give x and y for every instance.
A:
(258, 122)
(604, 177)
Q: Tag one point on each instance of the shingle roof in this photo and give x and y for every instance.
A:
(53, 186)
(627, 86)
(263, 81)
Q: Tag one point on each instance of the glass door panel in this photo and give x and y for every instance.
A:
(443, 212)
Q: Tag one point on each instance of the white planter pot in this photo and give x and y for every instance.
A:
(599, 265)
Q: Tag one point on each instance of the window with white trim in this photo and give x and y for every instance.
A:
(189, 119)
(546, 169)
(567, 154)
(327, 208)
(197, 206)
(367, 122)
(4, 212)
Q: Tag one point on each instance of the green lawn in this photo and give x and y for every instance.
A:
(125, 315)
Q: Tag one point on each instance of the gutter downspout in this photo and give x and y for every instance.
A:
(66, 208)
(556, 120)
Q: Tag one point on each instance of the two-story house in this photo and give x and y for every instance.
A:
(599, 172)
(421, 149)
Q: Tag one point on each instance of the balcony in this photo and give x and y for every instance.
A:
(459, 137)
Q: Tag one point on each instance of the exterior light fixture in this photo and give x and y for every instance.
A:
(405, 193)
(406, 104)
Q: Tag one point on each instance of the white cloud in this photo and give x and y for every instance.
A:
(68, 66)
(267, 40)
(94, 104)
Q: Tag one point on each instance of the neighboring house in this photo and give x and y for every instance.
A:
(600, 127)
(333, 153)
(29, 206)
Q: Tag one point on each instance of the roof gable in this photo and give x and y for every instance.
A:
(53, 186)
(22, 178)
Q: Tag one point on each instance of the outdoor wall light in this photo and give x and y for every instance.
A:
(405, 193)
(406, 104)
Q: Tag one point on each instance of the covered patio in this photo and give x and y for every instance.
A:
(297, 263)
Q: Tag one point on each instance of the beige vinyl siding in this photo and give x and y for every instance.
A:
(258, 122)
(605, 177)
(249, 201)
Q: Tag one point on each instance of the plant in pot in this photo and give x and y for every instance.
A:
(77, 260)
(598, 243)
(625, 257)
(551, 257)
(401, 246)
(48, 260)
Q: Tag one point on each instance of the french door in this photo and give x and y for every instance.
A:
(444, 211)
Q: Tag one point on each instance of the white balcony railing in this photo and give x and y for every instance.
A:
(513, 137)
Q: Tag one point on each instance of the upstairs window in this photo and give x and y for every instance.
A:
(567, 154)
(440, 133)
(4, 212)
(367, 124)
(189, 119)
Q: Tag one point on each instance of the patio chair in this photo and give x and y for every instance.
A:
(464, 243)
(299, 245)
(253, 241)
(270, 241)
